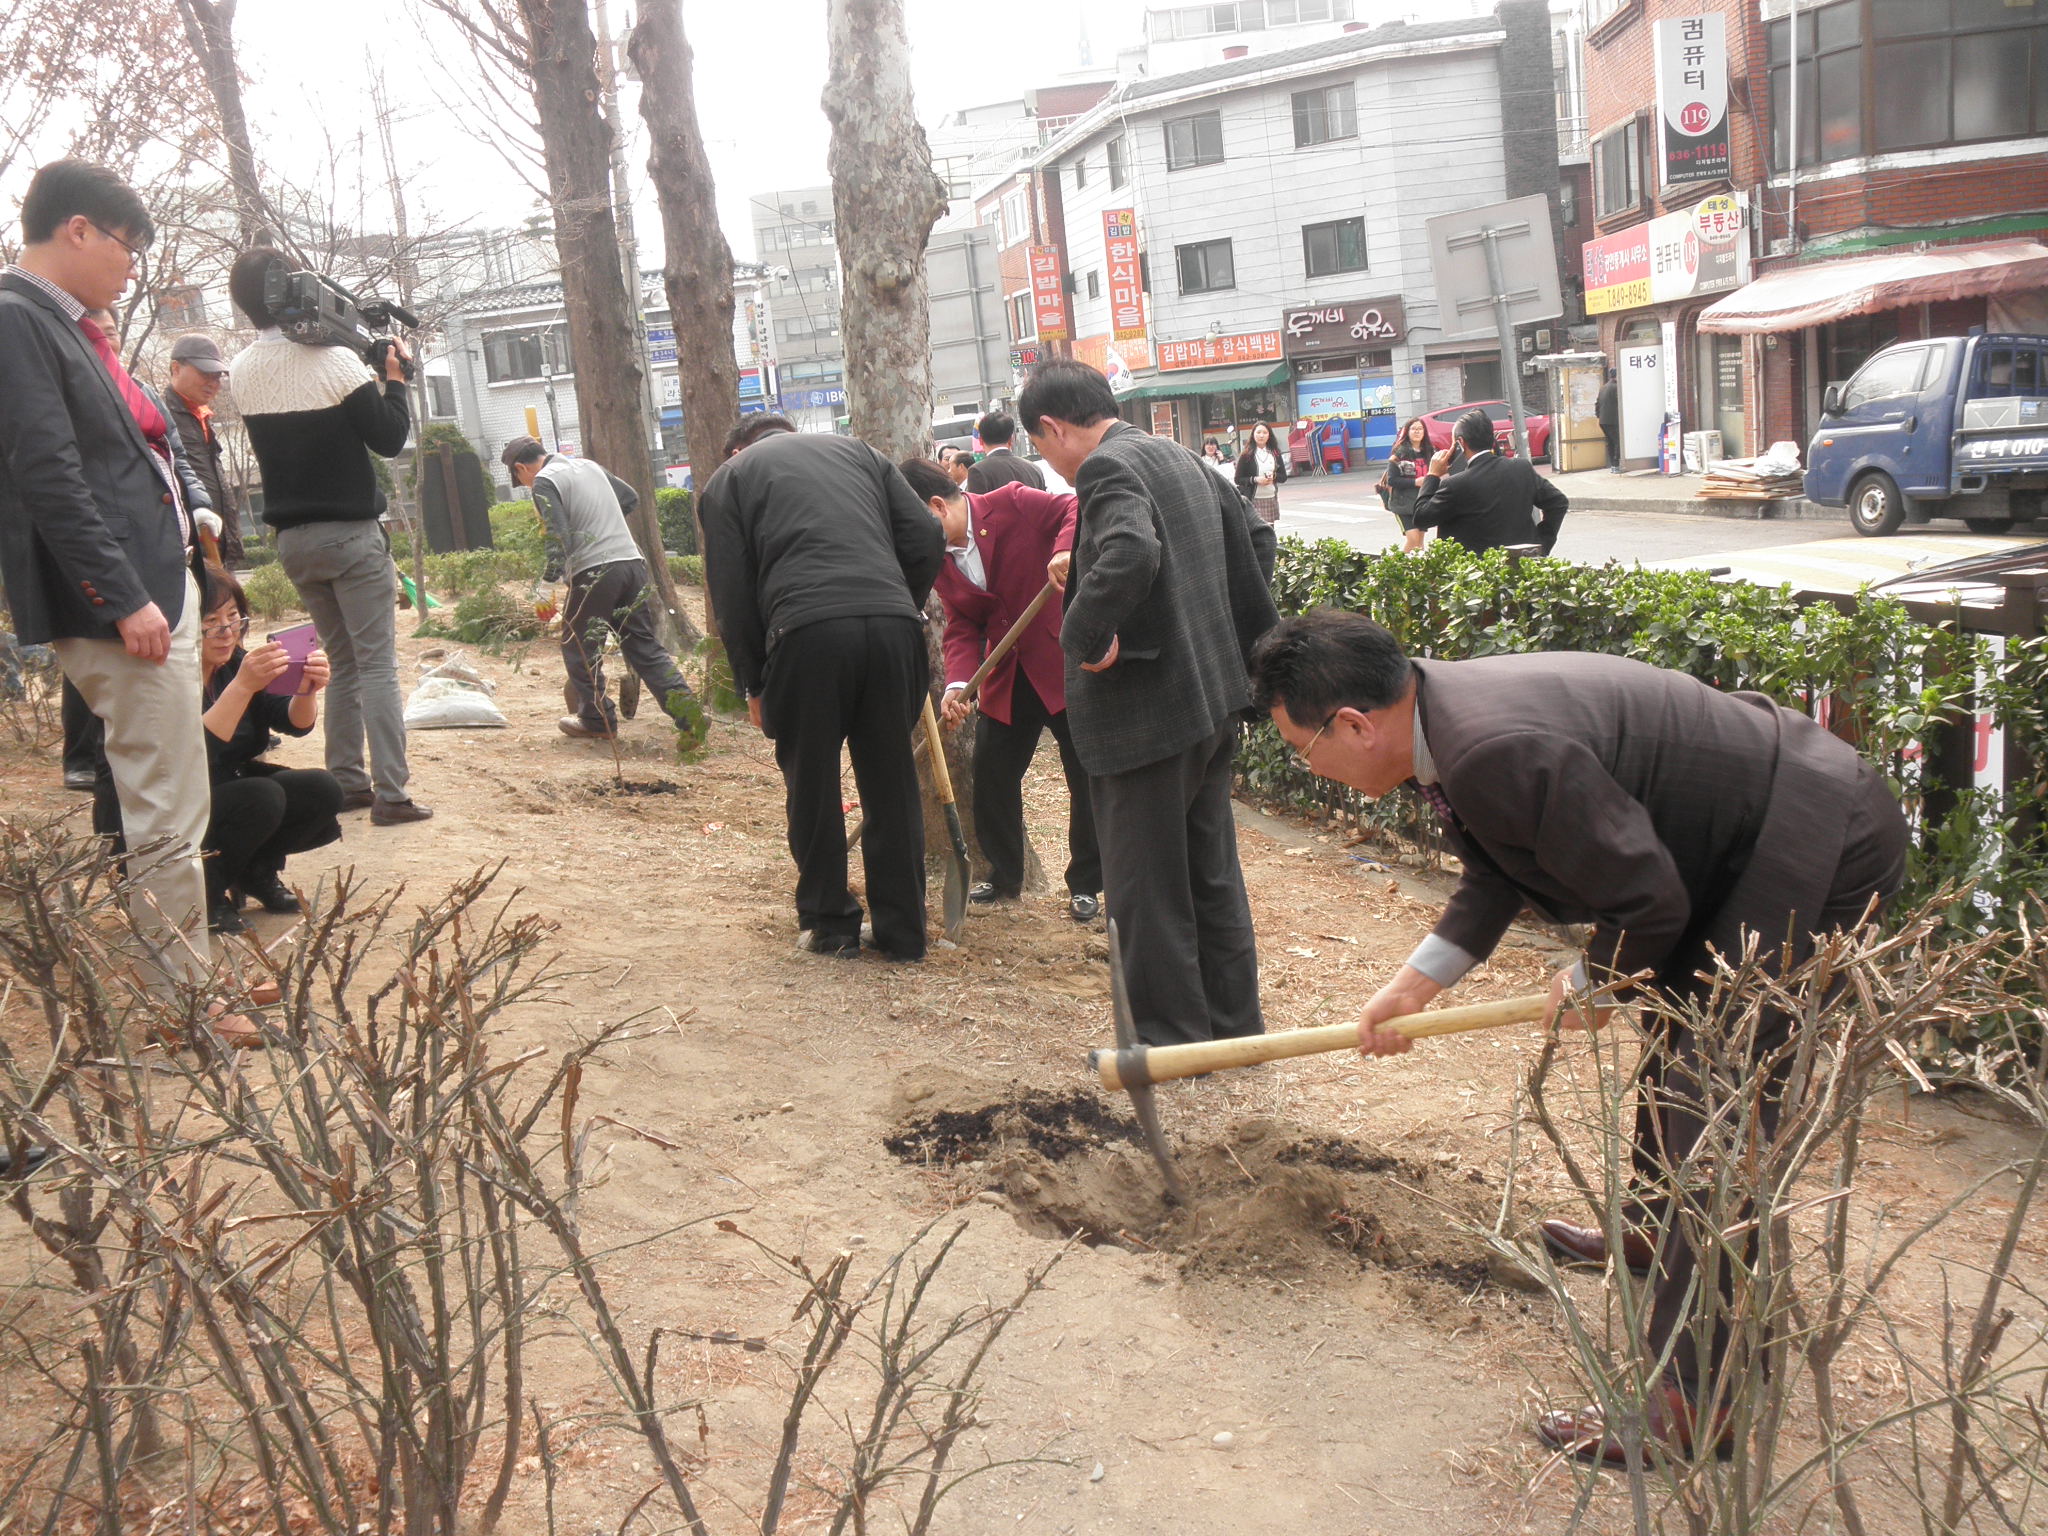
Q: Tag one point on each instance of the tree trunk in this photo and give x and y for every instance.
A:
(885, 199)
(577, 147)
(696, 266)
(209, 28)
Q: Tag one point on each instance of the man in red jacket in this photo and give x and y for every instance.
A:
(1001, 548)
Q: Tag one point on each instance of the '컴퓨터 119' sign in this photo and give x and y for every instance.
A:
(1692, 98)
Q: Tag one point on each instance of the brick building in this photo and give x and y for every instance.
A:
(1916, 205)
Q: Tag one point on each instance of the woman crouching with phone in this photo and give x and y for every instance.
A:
(262, 813)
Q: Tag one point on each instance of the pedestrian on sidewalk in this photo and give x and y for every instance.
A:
(998, 465)
(1168, 591)
(1261, 470)
(819, 560)
(1001, 548)
(1607, 411)
(583, 509)
(1404, 472)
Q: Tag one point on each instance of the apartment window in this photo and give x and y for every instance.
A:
(440, 395)
(1205, 267)
(1016, 217)
(521, 354)
(1617, 169)
(1196, 140)
(1323, 116)
(1940, 72)
(1335, 247)
(1568, 203)
(1023, 323)
(1285, 13)
(1094, 285)
(1081, 173)
(1598, 11)
(1116, 162)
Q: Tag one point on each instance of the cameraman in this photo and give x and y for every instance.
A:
(314, 413)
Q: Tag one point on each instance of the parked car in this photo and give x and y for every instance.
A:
(1442, 424)
(1949, 426)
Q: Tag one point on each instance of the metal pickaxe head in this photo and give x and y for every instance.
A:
(1130, 1069)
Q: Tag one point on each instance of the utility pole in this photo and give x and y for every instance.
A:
(622, 214)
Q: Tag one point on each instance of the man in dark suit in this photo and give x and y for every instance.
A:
(1167, 591)
(998, 465)
(1001, 549)
(1492, 501)
(819, 560)
(96, 536)
(1672, 818)
(1607, 411)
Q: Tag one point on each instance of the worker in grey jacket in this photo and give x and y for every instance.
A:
(583, 509)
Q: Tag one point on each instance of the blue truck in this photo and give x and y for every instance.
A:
(1948, 426)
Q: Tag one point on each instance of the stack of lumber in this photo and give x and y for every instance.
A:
(1760, 479)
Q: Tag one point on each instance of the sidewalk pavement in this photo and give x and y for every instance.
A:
(1644, 490)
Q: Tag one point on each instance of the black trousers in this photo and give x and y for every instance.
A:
(261, 820)
(1613, 436)
(857, 684)
(84, 735)
(1176, 892)
(615, 597)
(1001, 754)
(1670, 1115)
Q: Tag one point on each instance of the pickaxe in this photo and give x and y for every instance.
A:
(1134, 1066)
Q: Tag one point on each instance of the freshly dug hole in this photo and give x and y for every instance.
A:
(1266, 1198)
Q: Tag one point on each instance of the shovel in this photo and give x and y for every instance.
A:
(956, 867)
(981, 673)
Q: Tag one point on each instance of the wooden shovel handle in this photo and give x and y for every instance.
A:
(1166, 1062)
(941, 774)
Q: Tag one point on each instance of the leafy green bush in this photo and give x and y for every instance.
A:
(463, 572)
(688, 569)
(271, 593)
(1892, 685)
(677, 514)
(516, 530)
(490, 616)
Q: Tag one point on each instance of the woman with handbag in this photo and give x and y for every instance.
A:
(1260, 470)
(1403, 477)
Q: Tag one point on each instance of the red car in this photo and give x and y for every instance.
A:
(1441, 425)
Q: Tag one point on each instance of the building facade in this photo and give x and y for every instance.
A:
(1919, 132)
(1245, 242)
(794, 242)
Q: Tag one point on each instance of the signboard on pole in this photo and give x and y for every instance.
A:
(1692, 98)
(1470, 256)
(1126, 290)
(1048, 294)
(661, 344)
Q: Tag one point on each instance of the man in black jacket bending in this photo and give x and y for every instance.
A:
(818, 559)
(1492, 502)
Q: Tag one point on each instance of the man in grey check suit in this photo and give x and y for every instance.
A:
(1166, 593)
(1671, 817)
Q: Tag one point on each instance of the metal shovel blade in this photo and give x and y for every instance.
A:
(1129, 1047)
(957, 876)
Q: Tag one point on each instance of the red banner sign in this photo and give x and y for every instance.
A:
(1618, 271)
(1212, 351)
(1048, 293)
(1126, 291)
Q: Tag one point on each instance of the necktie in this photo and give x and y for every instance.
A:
(1439, 804)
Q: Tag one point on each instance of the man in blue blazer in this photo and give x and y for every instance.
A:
(96, 536)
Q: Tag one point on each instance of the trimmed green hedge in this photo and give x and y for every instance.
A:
(678, 518)
(1879, 677)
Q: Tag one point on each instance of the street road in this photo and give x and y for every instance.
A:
(1345, 507)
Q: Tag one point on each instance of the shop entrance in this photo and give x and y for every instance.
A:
(1718, 378)
(1639, 372)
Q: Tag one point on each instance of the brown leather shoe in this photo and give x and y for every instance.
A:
(1670, 1431)
(1588, 1245)
(581, 729)
(393, 813)
(359, 800)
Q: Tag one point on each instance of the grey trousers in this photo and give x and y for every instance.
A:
(1175, 889)
(156, 748)
(345, 576)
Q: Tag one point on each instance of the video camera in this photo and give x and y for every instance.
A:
(317, 311)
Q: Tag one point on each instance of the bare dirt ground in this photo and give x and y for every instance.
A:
(1322, 1307)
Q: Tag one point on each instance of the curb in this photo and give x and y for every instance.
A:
(1788, 510)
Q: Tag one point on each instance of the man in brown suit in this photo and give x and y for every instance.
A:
(1671, 817)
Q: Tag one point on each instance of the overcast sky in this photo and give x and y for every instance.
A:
(760, 71)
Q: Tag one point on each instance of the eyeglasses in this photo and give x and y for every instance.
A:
(236, 627)
(135, 252)
(1299, 756)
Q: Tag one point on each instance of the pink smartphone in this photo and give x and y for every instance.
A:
(299, 642)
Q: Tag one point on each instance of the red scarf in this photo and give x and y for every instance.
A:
(140, 406)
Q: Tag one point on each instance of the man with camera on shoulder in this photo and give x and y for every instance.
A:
(315, 412)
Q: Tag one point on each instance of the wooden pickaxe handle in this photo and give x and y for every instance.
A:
(1162, 1063)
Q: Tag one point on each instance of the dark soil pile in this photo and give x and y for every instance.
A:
(1266, 1198)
